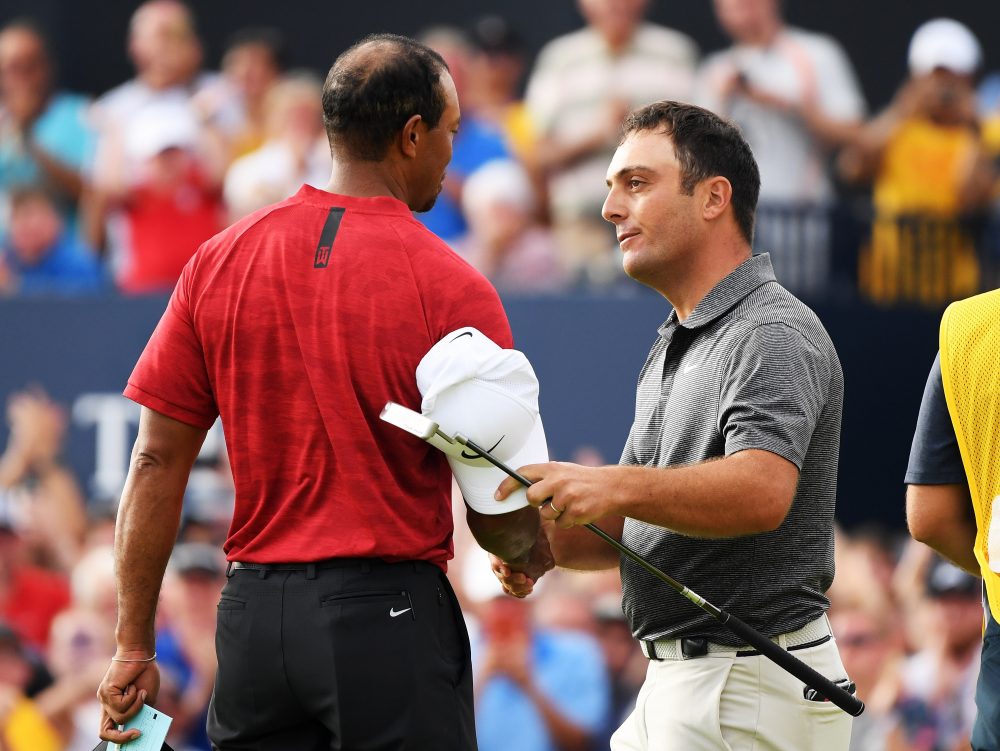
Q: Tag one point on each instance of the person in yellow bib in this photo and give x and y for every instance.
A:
(953, 478)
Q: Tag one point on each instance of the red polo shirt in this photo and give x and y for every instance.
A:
(296, 325)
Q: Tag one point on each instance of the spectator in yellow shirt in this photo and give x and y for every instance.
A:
(930, 171)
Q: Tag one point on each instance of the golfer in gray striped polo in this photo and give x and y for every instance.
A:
(728, 479)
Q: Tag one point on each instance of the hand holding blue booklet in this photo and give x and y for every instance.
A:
(153, 725)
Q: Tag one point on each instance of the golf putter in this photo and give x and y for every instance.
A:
(426, 429)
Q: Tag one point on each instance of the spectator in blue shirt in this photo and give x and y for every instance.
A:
(477, 142)
(39, 256)
(44, 138)
(536, 690)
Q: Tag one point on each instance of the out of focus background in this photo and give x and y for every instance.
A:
(130, 133)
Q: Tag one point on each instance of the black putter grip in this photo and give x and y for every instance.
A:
(850, 704)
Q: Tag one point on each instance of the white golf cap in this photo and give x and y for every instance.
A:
(944, 43)
(489, 395)
(161, 126)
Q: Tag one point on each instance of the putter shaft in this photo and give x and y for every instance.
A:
(823, 685)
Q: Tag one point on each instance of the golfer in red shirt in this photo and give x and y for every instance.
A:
(337, 627)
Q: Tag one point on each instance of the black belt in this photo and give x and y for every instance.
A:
(311, 567)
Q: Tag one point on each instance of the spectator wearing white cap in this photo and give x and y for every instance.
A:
(164, 47)
(172, 202)
(926, 159)
(504, 241)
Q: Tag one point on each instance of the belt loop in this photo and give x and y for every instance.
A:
(262, 572)
(229, 569)
(310, 571)
(651, 650)
(366, 567)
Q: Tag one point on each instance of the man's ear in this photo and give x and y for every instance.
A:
(717, 195)
(410, 136)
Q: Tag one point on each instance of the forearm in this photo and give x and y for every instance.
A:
(65, 177)
(508, 536)
(832, 132)
(862, 154)
(747, 493)
(940, 516)
(580, 549)
(148, 520)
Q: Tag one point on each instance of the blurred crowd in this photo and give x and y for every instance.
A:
(558, 670)
(119, 192)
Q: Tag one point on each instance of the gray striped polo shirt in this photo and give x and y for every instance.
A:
(751, 368)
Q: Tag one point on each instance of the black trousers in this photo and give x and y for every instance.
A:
(349, 655)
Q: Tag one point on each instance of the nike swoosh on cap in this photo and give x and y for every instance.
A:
(489, 450)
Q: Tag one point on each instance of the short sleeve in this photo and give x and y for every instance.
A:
(773, 392)
(935, 458)
(479, 306)
(171, 376)
(628, 457)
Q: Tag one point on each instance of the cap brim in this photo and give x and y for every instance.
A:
(479, 483)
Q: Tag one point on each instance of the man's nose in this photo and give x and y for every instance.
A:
(613, 210)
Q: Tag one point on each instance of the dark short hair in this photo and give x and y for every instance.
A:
(706, 146)
(367, 99)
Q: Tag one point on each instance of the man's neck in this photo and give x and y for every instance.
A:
(617, 45)
(764, 35)
(687, 287)
(365, 180)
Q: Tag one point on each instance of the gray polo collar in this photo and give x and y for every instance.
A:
(740, 282)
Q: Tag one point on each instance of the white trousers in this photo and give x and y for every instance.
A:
(728, 703)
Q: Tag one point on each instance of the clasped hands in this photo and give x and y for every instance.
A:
(566, 495)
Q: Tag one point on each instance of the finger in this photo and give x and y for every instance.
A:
(520, 591)
(508, 486)
(550, 512)
(110, 731)
(564, 521)
(122, 706)
(515, 578)
(531, 472)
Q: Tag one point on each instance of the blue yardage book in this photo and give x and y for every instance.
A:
(154, 725)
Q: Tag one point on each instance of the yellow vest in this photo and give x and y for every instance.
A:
(970, 371)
